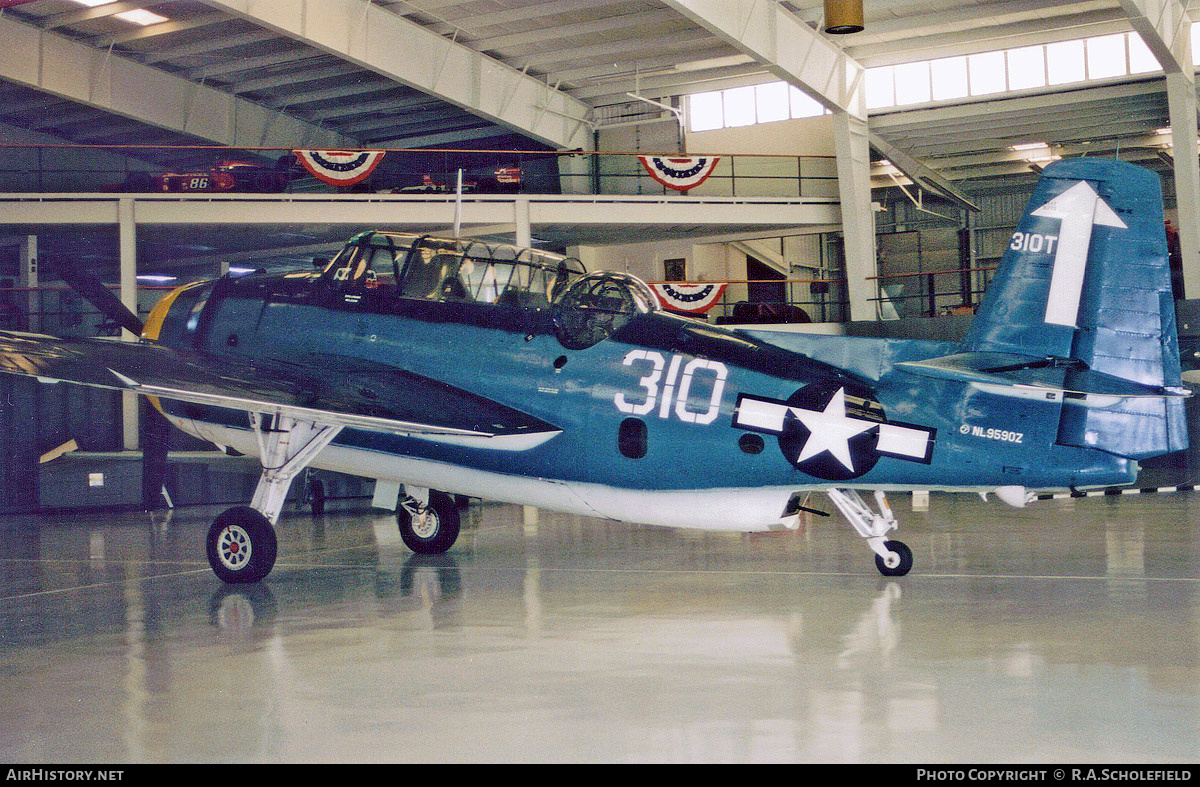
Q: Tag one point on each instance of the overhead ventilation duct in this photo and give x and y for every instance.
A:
(843, 16)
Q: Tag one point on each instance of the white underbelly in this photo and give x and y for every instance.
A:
(733, 509)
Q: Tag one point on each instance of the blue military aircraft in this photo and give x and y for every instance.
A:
(456, 368)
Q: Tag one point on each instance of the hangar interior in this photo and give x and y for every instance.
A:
(863, 183)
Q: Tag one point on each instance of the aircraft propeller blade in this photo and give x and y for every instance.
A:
(89, 286)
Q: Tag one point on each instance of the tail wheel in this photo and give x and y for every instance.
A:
(428, 529)
(901, 568)
(241, 545)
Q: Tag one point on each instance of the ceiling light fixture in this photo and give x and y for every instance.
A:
(141, 17)
(843, 16)
(138, 16)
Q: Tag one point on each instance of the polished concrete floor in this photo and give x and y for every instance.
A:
(1068, 631)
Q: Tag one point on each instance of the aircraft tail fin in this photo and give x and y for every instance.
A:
(1084, 291)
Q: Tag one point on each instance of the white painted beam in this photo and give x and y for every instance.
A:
(1166, 31)
(789, 48)
(416, 211)
(382, 41)
(71, 69)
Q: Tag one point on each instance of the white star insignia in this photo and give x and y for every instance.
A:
(831, 430)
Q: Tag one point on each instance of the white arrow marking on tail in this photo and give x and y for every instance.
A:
(1079, 208)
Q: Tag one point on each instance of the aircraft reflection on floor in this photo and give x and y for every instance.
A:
(544, 636)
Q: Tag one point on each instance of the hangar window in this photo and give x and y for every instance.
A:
(802, 104)
(946, 79)
(1064, 62)
(740, 107)
(987, 73)
(1106, 56)
(949, 78)
(707, 111)
(771, 102)
(912, 83)
(1026, 67)
(1141, 59)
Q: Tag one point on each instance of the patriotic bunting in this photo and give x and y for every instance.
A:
(340, 167)
(679, 172)
(692, 298)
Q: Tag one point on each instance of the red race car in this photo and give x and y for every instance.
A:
(224, 176)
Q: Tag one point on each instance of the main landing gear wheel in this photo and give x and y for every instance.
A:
(241, 545)
(905, 559)
(892, 558)
(428, 529)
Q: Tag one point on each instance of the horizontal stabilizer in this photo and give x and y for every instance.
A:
(1056, 379)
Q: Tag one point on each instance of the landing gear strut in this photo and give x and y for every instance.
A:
(892, 558)
(241, 542)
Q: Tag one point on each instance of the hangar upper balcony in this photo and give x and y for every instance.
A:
(558, 197)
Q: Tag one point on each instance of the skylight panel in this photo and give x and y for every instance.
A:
(949, 78)
(707, 111)
(141, 17)
(771, 102)
(138, 16)
(912, 82)
(986, 73)
(1065, 63)
(1026, 67)
(1106, 56)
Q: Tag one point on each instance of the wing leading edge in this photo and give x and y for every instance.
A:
(355, 394)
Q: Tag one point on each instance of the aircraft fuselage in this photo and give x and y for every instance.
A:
(667, 421)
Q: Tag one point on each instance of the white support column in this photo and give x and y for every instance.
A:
(127, 249)
(1181, 100)
(1166, 30)
(858, 219)
(27, 279)
(524, 232)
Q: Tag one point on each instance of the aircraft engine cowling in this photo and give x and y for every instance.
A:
(174, 320)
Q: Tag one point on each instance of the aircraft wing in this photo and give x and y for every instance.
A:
(359, 395)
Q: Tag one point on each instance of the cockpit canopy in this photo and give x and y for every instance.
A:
(596, 305)
(443, 269)
(586, 308)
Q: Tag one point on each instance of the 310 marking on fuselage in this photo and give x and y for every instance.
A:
(672, 395)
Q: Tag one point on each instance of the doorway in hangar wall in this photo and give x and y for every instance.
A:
(767, 285)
